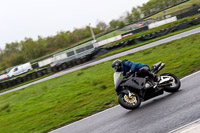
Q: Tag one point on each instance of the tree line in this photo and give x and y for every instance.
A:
(16, 53)
(139, 12)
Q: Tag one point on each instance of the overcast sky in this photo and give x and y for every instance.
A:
(30, 18)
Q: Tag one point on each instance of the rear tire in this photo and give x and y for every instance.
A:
(171, 88)
(127, 103)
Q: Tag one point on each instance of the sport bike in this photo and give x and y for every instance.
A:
(133, 90)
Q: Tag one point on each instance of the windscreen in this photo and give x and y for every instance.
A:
(116, 77)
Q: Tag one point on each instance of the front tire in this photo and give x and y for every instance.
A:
(129, 103)
(176, 84)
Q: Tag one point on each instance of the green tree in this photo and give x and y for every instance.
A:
(32, 49)
(129, 18)
(113, 23)
(136, 14)
(121, 24)
(13, 47)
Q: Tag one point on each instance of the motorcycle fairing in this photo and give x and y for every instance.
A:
(135, 83)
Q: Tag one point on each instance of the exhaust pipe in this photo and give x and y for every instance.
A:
(160, 68)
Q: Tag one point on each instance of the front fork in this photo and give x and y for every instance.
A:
(129, 95)
(127, 92)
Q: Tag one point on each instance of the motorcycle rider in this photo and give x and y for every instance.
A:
(129, 67)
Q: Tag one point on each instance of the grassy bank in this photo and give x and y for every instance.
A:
(43, 106)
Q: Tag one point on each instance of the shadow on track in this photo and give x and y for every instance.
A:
(152, 103)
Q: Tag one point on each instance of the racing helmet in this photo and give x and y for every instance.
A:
(116, 65)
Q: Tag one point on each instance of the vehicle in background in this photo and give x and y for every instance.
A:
(20, 69)
(3, 77)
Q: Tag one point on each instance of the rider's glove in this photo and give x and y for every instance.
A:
(129, 73)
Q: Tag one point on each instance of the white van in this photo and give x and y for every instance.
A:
(20, 69)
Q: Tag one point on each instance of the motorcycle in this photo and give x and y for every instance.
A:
(133, 90)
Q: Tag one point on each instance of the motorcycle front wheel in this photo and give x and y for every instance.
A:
(175, 83)
(127, 102)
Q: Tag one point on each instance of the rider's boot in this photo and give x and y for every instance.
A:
(156, 78)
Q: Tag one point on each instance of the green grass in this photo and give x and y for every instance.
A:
(43, 106)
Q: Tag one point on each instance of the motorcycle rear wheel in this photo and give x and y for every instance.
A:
(129, 103)
(171, 88)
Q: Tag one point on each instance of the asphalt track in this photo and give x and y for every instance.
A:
(159, 115)
(159, 42)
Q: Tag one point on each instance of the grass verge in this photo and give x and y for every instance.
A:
(52, 103)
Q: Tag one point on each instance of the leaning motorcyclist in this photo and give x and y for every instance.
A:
(129, 67)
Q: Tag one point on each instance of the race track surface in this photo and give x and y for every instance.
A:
(159, 115)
